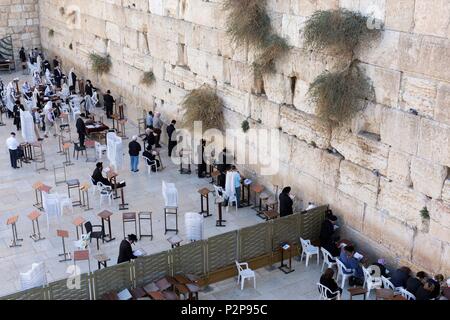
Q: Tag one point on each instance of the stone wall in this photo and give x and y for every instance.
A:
(20, 20)
(389, 162)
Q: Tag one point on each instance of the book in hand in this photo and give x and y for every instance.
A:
(124, 295)
(139, 252)
(358, 256)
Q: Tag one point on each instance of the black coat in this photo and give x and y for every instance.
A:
(108, 100)
(285, 204)
(81, 126)
(399, 278)
(326, 233)
(330, 284)
(170, 129)
(125, 252)
(98, 177)
(134, 148)
(22, 56)
(88, 89)
(413, 284)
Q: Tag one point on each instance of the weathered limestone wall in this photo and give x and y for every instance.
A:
(20, 20)
(185, 44)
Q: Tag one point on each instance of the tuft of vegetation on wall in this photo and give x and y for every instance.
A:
(148, 78)
(62, 11)
(424, 213)
(203, 104)
(339, 95)
(245, 126)
(249, 23)
(100, 64)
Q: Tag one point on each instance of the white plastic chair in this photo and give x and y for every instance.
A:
(327, 259)
(370, 282)
(99, 148)
(246, 273)
(324, 291)
(152, 164)
(51, 205)
(75, 108)
(94, 187)
(308, 250)
(387, 284)
(344, 272)
(406, 294)
(105, 193)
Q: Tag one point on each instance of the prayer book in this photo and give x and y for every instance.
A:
(358, 256)
(124, 295)
(285, 246)
(139, 252)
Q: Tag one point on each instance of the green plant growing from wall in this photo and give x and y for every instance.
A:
(51, 32)
(245, 126)
(100, 64)
(70, 46)
(203, 104)
(249, 23)
(339, 95)
(148, 78)
(425, 214)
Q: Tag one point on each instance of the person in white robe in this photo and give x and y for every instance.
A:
(39, 63)
(88, 105)
(26, 88)
(34, 99)
(10, 98)
(48, 76)
(230, 190)
(36, 78)
(94, 97)
(65, 92)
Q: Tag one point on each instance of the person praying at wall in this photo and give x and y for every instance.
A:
(72, 80)
(125, 250)
(286, 202)
(57, 75)
(157, 125)
(108, 101)
(81, 130)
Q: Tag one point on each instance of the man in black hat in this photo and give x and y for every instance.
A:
(97, 176)
(125, 250)
(327, 238)
(108, 101)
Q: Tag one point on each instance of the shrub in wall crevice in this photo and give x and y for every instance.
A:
(148, 78)
(100, 64)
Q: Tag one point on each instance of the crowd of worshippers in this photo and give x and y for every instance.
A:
(422, 286)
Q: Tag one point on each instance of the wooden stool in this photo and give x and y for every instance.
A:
(66, 148)
(171, 211)
(174, 241)
(36, 186)
(219, 221)
(129, 217)
(102, 260)
(63, 167)
(270, 214)
(145, 215)
(78, 223)
(63, 234)
(12, 221)
(105, 215)
(357, 291)
(74, 184)
(204, 194)
(85, 196)
(262, 198)
(34, 216)
(163, 283)
(257, 189)
(81, 255)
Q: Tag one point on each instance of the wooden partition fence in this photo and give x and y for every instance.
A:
(211, 259)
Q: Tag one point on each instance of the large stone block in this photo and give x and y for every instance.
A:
(349, 210)
(427, 252)
(208, 65)
(383, 52)
(373, 225)
(427, 177)
(432, 17)
(209, 14)
(445, 267)
(291, 29)
(241, 76)
(397, 238)
(362, 149)
(358, 182)
(265, 111)
(278, 88)
(305, 126)
(308, 7)
(401, 202)
(399, 164)
(446, 191)
(301, 100)
(418, 94)
(112, 31)
(440, 212)
(386, 84)
(400, 130)
(423, 54)
(434, 142)
(442, 110)
(400, 14)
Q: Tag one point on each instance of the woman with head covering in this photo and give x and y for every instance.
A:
(286, 202)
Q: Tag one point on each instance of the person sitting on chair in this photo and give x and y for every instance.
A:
(125, 250)
(150, 155)
(350, 262)
(327, 280)
(97, 176)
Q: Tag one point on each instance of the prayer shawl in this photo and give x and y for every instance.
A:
(10, 96)
(36, 78)
(35, 98)
(48, 76)
(230, 190)
(70, 78)
(89, 104)
(65, 93)
(94, 98)
(26, 87)
(39, 63)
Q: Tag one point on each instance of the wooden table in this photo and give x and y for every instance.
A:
(357, 291)
(284, 267)
(150, 287)
(12, 222)
(102, 260)
(270, 214)
(138, 293)
(106, 215)
(34, 216)
(78, 223)
(63, 234)
(384, 294)
(156, 295)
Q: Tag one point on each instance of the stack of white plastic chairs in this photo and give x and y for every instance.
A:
(194, 226)
(52, 207)
(114, 150)
(35, 277)
(75, 106)
(170, 195)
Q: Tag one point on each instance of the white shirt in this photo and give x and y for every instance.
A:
(12, 143)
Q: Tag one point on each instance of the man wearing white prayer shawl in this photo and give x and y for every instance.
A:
(65, 92)
(26, 87)
(48, 76)
(39, 63)
(88, 104)
(10, 98)
(36, 78)
(94, 97)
